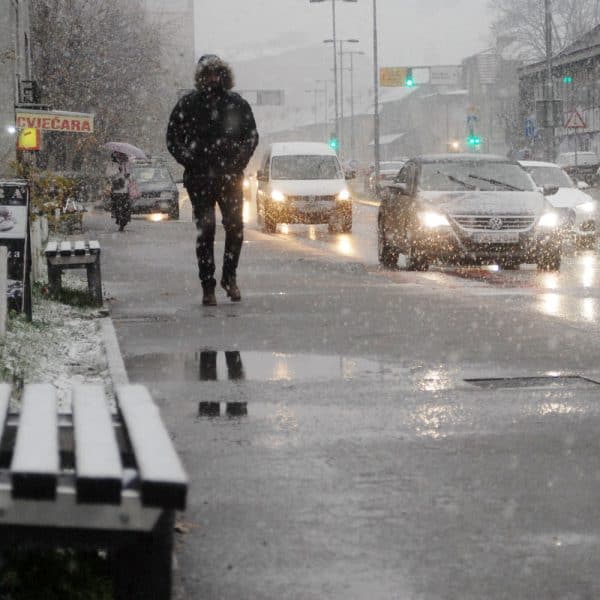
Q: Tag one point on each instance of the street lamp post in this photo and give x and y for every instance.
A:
(335, 87)
(549, 87)
(376, 95)
(326, 83)
(315, 91)
(352, 128)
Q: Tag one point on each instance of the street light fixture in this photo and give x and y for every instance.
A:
(341, 42)
(334, 59)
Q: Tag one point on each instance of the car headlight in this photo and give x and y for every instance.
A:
(548, 220)
(246, 183)
(432, 220)
(344, 195)
(587, 207)
(277, 196)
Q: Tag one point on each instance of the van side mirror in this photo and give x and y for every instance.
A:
(260, 175)
(582, 185)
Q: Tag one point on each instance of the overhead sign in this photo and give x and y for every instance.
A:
(575, 121)
(392, 76)
(55, 120)
(449, 75)
(29, 139)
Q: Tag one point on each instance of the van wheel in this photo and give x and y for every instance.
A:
(386, 253)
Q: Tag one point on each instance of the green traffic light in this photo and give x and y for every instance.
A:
(410, 80)
(334, 143)
(567, 79)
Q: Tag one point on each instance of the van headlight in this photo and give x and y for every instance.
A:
(344, 195)
(548, 220)
(246, 183)
(587, 207)
(277, 196)
(431, 220)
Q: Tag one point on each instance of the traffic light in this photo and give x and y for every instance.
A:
(334, 143)
(473, 140)
(567, 79)
(409, 81)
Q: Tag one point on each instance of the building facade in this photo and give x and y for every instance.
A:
(576, 84)
(15, 68)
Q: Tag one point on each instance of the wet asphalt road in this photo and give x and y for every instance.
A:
(355, 433)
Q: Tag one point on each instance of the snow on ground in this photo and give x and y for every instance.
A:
(62, 346)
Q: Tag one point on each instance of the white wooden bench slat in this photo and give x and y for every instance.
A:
(51, 249)
(4, 403)
(35, 462)
(94, 246)
(164, 481)
(79, 247)
(99, 472)
(65, 248)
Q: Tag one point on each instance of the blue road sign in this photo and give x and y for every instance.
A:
(529, 128)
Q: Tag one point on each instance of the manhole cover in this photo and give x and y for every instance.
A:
(557, 381)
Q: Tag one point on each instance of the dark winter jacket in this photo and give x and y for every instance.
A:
(212, 132)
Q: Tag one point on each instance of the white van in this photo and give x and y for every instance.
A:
(302, 182)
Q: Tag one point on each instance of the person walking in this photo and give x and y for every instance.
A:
(212, 133)
(120, 202)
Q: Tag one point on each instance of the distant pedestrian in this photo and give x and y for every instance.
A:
(212, 133)
(120, 202)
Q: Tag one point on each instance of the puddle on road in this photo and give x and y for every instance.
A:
(212, 365)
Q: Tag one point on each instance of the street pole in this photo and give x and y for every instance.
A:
(352, 137)
(376, 95)
(335, 81)
(549, 88)
(342, 136)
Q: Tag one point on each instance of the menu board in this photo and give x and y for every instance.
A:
(14, 234)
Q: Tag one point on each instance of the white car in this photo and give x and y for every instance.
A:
(579, 210)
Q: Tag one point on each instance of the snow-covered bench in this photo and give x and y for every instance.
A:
(93, 478)
(81, 254)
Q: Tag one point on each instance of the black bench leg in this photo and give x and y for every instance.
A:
(54, 280)
(142, 570)
(94, 278)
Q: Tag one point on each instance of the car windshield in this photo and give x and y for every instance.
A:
(476, 175)
(305, 167)
(550, 176)
(145, 174)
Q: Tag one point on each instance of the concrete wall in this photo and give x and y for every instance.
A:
(15, 65)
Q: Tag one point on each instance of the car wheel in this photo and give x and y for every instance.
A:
(416, 260)
(387, 254)
(508, 264)
(549, 262)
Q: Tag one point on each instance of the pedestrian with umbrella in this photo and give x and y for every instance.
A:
(212, 133)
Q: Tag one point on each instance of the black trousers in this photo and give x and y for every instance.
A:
(227, 192)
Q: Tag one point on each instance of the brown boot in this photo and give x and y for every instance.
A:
(231, 288)
(208, 296)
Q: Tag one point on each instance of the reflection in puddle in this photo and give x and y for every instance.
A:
(344, 245)
(550, 304)
(212, 365)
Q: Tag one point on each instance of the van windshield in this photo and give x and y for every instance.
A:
(305, 167)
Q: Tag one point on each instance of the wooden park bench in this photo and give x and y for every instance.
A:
(75, 255)
(93, 479)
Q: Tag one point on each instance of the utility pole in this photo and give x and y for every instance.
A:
(376, 94)
(352, 124)
(342, 129)
(549, 88)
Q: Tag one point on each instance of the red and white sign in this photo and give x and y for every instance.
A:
(575, 121)
(54, 120)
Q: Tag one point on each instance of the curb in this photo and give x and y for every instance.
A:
(116, 366)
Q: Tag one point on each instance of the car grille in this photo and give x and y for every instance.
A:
(494, 222)
(312, 198)
(151, 194)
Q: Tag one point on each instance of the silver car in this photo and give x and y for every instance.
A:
(466, 209)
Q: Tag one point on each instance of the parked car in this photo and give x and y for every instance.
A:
(578, 210)
(158, 190)
(302, 182)
(582, 166)
(388, 169)
(466, 209)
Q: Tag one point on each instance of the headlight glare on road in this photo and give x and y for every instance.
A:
(587, 207)
(548, 220)
(277, 196)
(344, 195)
(432, 220)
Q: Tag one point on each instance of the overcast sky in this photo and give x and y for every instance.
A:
(410, 31)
